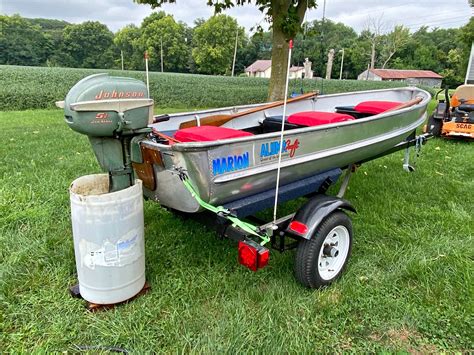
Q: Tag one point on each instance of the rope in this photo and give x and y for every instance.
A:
(162, 135)
(282, 132)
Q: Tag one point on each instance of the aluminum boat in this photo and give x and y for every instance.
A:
(225, 168)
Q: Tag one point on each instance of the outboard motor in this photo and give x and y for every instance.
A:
(107, 210)
(111, 111)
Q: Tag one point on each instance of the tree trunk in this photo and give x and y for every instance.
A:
(279, 8)
(329, 64)
(276, 89)
(372, 56)
(388, 59)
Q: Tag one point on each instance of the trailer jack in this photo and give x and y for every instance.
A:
(418, 142)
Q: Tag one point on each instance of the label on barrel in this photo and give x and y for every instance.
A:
(112, 254)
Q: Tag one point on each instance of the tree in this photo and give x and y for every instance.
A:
(161, 32)
(53, 32)
(374, 27)
(214, 42)
(21, 43)
(451, 75)
(318, 39)
(88, 45)
(393, 42)
(155, 16)
(128, 40)
(427, 50)
(285, 17)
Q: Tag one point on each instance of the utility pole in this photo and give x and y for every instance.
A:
(469, 72)
(322, 45)
(121, 56)
(235, 50)
(342, 63)
(147, 78)
(161, 45)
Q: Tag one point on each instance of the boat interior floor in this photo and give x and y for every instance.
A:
(274, 123)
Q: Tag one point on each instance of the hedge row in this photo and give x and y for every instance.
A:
(38, 87)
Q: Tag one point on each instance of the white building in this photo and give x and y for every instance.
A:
(260, 69)
(296, 72)
(263, 69)
(411, 77)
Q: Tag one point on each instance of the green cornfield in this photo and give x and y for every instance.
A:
(24, 88)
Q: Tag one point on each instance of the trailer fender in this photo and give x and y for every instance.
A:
(314, 211)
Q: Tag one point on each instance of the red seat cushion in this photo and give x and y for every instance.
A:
(316, 118)
(208, 133)
(375, 107)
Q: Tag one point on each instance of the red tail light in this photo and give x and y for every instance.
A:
(253, 255)
(298, 227)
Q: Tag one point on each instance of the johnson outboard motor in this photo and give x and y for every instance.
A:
(111, 111)
(107, 209)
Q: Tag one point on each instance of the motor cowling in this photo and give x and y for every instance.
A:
(114, 113)
(104, 106)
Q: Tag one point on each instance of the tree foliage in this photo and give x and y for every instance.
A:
(128, 41)
(284, 15)
(88, 45)
(285, 18)
(259, 46)
(21, 42)
(160, 32)
(214, 43)
(208, 46)
(393, 42)
(317, 39)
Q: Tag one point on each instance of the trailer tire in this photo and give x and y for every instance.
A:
(434, 126)
(314, 252)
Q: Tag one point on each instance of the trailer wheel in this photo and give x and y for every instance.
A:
(434, 126)
(321, 259)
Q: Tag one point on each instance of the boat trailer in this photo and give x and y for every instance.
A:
(320, 229)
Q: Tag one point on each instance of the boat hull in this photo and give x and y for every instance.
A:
(224, 171)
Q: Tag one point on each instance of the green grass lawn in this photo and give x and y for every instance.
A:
(408, 285)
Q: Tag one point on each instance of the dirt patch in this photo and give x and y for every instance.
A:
(91, 185)
(404, 339)
(330, 297)
(375, 337)
(401, 335)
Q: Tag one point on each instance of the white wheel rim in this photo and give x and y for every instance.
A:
(333, 253)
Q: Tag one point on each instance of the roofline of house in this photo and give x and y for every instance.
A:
(416, 77)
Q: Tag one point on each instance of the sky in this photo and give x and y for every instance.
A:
(355, 13)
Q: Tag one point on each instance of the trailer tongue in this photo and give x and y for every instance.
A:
(227, 173)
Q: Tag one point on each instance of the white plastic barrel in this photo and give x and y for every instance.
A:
(108, 239)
